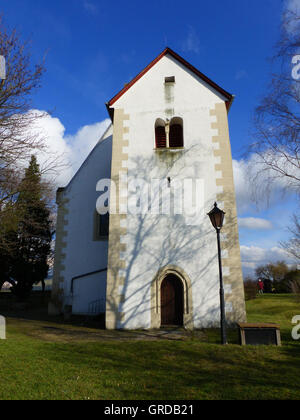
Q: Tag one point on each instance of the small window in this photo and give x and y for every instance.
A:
(176, 132)
(160, 134)
(101, 226)
(170, 79)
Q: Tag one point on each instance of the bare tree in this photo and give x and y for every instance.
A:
(20, 136)
(292, 246)
(17, 141)
(277, 118)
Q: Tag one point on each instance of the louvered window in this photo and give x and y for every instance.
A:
(160, 137)
(170, 79)
(176, 135)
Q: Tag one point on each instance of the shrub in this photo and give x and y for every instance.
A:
(250, 287)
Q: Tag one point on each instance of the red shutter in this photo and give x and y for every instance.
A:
(176, 135)
(160, 137)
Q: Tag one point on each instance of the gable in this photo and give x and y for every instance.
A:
(163, 62)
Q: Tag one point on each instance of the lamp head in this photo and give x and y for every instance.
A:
(216, 217)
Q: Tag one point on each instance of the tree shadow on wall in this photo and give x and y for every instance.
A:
(152, 242)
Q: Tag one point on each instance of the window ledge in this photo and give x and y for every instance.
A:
(162, 149)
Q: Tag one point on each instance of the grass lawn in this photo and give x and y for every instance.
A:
(37, 366)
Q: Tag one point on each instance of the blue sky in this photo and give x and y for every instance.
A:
(93, 47)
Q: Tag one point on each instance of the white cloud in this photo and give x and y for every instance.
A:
(293, 6)
(191, 43)
(241, 74)
(254, 223)
(256, 255)
(253, 256)
(257, 188)
(90, 7)
(242, 186)
(83, 142)
(69, 150)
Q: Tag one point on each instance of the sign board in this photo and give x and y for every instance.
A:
(2, 67)
(259, 334)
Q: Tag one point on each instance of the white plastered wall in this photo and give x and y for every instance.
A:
(82, 253)
(154, 242)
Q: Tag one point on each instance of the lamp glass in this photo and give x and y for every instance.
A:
(216, 216)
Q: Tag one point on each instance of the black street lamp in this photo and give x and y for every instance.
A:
(217, 217)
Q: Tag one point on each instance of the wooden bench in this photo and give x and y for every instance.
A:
(259, 334)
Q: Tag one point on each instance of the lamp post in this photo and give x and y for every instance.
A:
(217, 217)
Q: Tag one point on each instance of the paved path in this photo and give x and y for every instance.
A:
(60, 332)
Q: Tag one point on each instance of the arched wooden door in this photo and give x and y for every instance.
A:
(171, 301)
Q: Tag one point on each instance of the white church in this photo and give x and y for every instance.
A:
(133, 238)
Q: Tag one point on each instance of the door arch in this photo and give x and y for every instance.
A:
(188, 317)
(172, 300)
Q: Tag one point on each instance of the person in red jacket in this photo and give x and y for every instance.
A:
(260, 287)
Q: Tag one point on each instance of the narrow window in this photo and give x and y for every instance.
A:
(176, 132)
(160, 134)
(103, 225)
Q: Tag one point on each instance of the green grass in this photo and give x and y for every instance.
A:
(36, 366)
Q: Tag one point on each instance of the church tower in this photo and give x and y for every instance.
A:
(171, 161)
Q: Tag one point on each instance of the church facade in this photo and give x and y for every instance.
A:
(133, 238)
